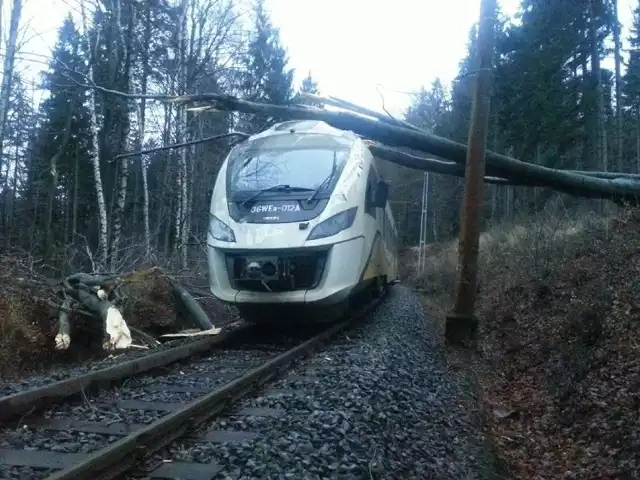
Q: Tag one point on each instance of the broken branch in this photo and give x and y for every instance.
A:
(183, 144)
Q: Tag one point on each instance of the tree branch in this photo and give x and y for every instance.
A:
(183, 144)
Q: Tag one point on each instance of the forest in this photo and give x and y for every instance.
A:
(66, 190)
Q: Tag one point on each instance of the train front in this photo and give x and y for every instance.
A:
(284, 220)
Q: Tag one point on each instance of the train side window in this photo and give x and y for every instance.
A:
(372, 181)
(385, 223)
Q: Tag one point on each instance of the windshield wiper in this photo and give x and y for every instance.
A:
(276, 188)
(327, 180)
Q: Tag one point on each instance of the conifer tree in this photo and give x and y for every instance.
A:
(267, 77)
(309, 85)
(64, 141)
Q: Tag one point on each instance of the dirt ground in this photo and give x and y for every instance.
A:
(558, 359)
(29, 306)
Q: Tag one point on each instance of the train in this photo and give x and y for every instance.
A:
(300, 225)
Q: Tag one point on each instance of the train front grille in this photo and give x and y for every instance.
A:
(277, 273)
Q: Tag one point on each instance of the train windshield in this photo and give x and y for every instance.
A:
(296, 160)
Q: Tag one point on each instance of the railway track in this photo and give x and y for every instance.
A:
(165, 396)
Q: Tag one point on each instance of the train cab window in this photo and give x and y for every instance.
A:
(372, 181)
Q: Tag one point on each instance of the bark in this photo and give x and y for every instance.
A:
(94, 153)
(76, 189)
(196, 314)
(10, 206)
(141, 127)
(600, 146)
(178, 225)
(161, 211)
(82, 288)
(181, 217)
(618, 61)
(121, 197)
(7, 78)
(587, 111)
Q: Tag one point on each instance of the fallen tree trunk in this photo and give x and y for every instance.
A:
(337, 102)
(394, 135)
(199, 316)
(435, 165)
(493, 175)
(390, 133)
(92, 292)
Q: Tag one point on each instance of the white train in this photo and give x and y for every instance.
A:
(299, 218)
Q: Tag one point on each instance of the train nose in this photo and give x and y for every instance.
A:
(254, 270)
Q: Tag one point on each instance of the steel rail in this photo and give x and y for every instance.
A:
(124, 454)
(30, 400)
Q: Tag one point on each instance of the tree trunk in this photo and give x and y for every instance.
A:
(121, 196)
(10, 205)
(587, 112)
(94, 152)
(141, 126)
(600, 147)
(182, 124)
(618, 61)
(7, 79)
(76, 189)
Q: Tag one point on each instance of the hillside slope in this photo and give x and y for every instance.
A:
(559, 352)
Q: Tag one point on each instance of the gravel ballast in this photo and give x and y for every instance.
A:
(151, 394)
(376, 403)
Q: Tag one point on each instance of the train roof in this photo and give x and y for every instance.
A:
(304, 126)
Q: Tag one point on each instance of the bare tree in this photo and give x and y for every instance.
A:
(126, 40)
(95, 156)
(7, 74)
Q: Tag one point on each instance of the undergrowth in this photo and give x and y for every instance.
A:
(558, 350)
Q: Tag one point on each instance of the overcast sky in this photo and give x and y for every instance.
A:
(352, 47)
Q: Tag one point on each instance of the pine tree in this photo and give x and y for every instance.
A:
(267, 77)
(631, 89)
(64, 143)
(430, 109)
(309, 85)
(21, 120)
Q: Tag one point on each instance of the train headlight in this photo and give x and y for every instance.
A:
(335, 224)
(220, 230)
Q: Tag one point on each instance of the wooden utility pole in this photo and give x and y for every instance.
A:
(462, 324)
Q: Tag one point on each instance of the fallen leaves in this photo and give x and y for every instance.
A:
(558, 357)
(575, 376)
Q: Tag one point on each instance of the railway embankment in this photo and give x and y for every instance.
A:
(557, 363)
